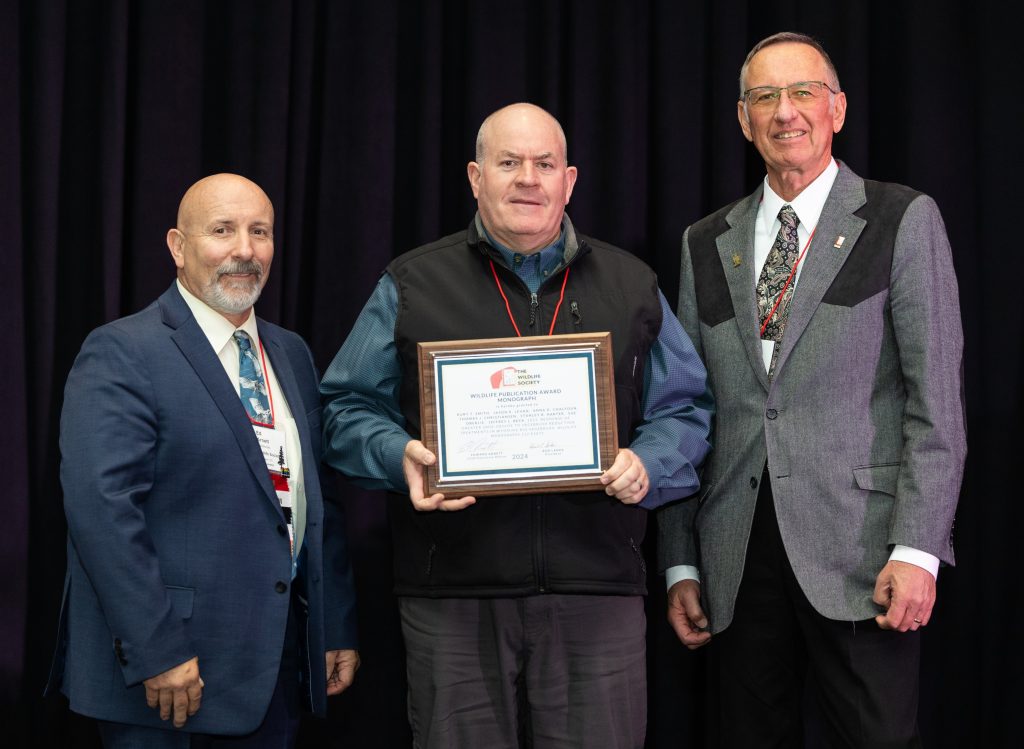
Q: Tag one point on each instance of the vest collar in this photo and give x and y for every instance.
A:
(477, 237)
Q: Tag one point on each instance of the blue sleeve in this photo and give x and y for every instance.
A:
(672, 440)
(364, 430)
(109, 439)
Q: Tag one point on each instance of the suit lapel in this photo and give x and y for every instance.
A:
(195, 347)
(824, 260)
(738, 244)
(289, 385)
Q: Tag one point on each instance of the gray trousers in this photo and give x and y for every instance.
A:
(547, 671)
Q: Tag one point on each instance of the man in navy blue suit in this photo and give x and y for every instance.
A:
(208, 593)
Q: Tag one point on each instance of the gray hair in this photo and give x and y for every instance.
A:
(791, 37)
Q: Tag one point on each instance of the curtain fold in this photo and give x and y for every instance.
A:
(358, 119)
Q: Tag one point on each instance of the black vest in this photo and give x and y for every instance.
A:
(521, 545)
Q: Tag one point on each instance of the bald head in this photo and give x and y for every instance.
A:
(223, 243)
(209, 190)
(523, 112)
(521, 180)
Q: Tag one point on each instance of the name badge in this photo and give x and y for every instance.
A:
(275, 455)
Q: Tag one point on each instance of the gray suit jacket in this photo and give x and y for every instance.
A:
(862, 426)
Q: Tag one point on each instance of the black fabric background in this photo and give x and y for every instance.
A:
(358, 119)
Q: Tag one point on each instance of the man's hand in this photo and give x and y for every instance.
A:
(341, 670)
(907, 592)
(415, 458)
(178, 690)
(626, 480)
(685, 614)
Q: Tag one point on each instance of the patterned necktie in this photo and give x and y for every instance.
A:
(252, 388)
(774, 275)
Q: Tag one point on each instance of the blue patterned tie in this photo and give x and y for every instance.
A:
(774, 276)
(252, 388)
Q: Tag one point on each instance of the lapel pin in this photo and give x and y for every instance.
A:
(736, 260)
(839, 241)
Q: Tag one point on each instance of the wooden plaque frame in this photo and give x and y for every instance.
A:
(603, 385)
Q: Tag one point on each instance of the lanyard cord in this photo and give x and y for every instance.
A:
(502, 292)
(508, 308)
(785, 286)
(561, 296)
(266, 377)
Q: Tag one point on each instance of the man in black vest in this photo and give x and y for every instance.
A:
(839, 444)
(522, 615)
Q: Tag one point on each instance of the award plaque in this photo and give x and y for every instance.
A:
(518, 415)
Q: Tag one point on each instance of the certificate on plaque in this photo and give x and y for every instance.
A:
(518, 415)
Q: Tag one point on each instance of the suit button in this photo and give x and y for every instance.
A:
(281, 587)
(281, 530)
(753, 482)
(123, 661)
(771, 413)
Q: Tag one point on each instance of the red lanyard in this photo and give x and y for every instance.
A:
(508, 309)
(785, 286)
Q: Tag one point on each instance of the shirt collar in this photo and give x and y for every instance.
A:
(808, 204)
(217, 328)
(550, 256)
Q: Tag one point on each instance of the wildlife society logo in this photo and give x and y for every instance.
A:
(513, 377)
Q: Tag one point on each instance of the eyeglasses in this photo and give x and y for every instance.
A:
(802, 94)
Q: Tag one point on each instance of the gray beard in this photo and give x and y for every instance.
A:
(234, 299)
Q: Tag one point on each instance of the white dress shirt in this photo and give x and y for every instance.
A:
(807, 206)
(220, 332)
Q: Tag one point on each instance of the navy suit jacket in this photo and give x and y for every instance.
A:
(176, 540)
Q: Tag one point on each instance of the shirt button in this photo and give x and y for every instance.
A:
(280, 586)
(771, 413)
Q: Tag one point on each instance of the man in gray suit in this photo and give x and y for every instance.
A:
(825, 308)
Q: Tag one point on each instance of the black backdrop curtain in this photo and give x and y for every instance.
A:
(358, 119)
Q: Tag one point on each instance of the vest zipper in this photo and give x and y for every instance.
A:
(535, 300)
(639, 556)
(430, 558)
(577, 318)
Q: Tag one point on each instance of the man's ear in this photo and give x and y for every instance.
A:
(839, 112)
(473, 172)
(744, 118)
(570, 182)
(176, 244)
